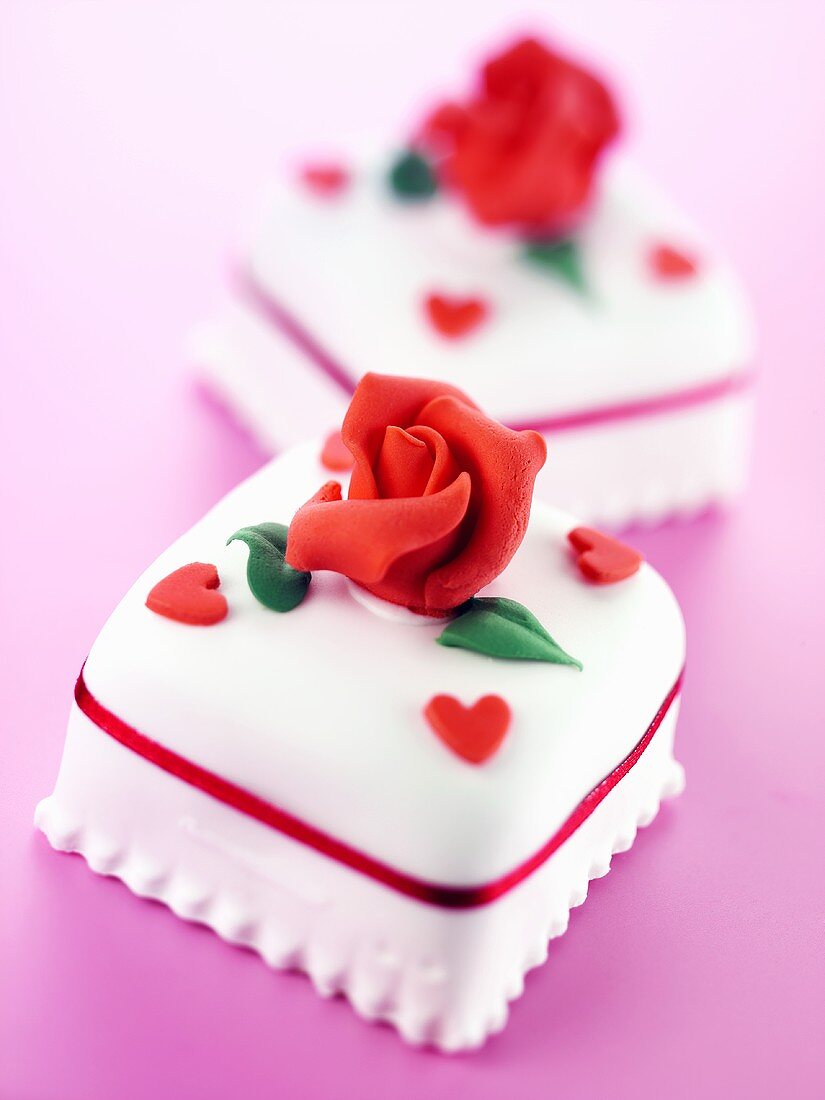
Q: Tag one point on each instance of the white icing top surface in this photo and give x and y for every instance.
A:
(320, 710)
(354, 269)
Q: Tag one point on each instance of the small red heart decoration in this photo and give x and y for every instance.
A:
(336, 455)
(326, 180)
(455, 316)
(475, 732)
(668, 262)
(603, 559)
(188, 596)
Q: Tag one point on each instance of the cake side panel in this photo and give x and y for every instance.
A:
(441, 977)
(651, 468)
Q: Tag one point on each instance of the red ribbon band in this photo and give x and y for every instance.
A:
(446, 897)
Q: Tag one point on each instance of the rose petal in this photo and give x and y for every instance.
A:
(379, 400)
(363, 538)
(502, 465)
(519, 71)
(445, 468)
(404, 465)
(329, 491)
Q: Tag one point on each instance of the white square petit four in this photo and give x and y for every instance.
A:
(288, 756)
(608, 322)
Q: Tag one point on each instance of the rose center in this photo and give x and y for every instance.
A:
(414, 462)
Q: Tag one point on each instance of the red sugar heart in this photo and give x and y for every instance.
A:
(327, 180)
(475, 732)
(188, 596)
(668, 262)
(603, 559)
(336, 455)
(455, 316)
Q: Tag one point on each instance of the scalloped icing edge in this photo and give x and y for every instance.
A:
(395, 995)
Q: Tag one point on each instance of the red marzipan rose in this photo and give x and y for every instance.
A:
(523, 150)
(438, 502)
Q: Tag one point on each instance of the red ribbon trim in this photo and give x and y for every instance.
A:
(271, 311)
(274, 313)
(446, 897)
(675, 401)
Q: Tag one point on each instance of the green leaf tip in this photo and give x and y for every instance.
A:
(411, 178)
(561, 258)
(503, 628)
(271, 580)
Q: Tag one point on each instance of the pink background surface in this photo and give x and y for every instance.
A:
(133, 140)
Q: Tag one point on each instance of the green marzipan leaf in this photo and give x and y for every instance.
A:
(560, 258)
(272, 582)
(411, 178)
(503, 628)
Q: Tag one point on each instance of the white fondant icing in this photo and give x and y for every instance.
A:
(325, 703)
(354, 271)
(319, 711)
(393, 612)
